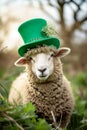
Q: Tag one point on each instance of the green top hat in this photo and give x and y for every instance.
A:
(32, 33)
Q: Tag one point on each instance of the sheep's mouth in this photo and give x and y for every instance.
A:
(43, 77)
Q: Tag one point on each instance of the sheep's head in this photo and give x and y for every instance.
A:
(42, 60)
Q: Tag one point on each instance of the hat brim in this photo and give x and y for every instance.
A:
(52, 41)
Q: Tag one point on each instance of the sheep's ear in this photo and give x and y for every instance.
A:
(63, 52)
(21, 62)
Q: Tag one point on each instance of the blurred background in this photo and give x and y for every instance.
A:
(70, 20)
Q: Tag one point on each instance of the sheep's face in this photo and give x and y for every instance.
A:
(42, 64)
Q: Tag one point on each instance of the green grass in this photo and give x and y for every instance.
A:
(20, 117)
(79, 116)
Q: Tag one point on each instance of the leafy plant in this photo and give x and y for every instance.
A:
(20, 117)
(81, 79)
(79, 117)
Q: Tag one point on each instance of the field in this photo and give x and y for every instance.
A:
(24, 117)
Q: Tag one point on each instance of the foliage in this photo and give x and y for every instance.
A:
(20, 117)
(78, 122)
(81, 79)
(79, 116)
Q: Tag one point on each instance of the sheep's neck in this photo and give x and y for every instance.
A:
(46, 83)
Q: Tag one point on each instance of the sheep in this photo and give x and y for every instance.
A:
(44, 84)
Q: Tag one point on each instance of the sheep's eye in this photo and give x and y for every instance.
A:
(50, 56)
(31, 59)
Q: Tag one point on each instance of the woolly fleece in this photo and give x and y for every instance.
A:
(54, 94)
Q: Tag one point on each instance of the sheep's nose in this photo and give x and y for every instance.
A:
(42, 70)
